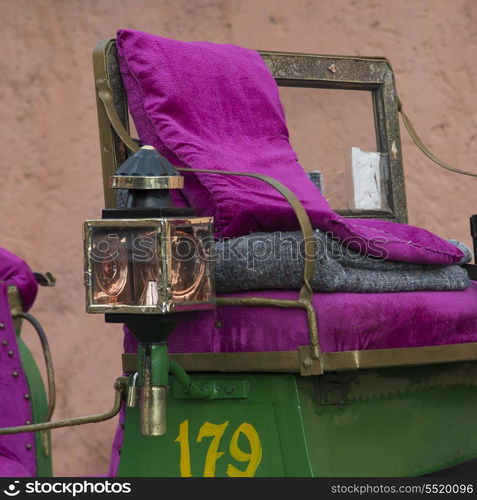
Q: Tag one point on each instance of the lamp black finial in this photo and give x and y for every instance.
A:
(148, 176)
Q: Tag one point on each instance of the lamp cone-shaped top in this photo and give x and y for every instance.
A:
(146, 169)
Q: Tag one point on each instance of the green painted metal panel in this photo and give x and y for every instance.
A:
(388, 422)
(397, 422)
(39, 408)
(260, 435)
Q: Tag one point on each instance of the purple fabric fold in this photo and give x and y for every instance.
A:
(17, 451)
(117, 445)
(11, 467)
(15, 271)
(211, 106)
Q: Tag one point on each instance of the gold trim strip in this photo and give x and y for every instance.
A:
(290, 361)
(278, 361)
(140, 182)
(94, 223)
(405, 356)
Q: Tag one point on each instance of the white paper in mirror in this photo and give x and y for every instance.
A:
(367, 168)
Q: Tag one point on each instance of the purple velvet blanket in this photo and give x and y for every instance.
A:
(17, 451)
(212, 106)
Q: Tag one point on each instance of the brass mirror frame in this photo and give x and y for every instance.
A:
(354, 73)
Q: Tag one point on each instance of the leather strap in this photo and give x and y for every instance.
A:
(106, 96)
(418, 142)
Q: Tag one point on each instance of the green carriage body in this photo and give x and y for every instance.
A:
(389, 422)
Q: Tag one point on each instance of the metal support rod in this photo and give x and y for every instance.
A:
(186, 382)
(119, 387)
(50, 374)
(153, 369)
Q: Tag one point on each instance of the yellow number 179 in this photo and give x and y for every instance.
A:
(216, 431)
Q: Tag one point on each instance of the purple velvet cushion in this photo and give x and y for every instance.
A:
(11, 466)
(15, 271)
(205, 105)
(347, 322)
(17, 451)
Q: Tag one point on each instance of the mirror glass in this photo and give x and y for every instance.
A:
(333, 132)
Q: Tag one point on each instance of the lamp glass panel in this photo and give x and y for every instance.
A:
(191, 262)
(125, 265)
(148, 282)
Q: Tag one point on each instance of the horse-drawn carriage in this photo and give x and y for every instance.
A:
(264, 382)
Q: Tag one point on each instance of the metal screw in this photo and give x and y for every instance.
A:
(333, 68)
(28, 446)
(28, 422)
(218, 324)
(2, 326)
(307, 362)
(26, 396)
(229, 389)
(15, 373)
(4, 342)
(10, 353)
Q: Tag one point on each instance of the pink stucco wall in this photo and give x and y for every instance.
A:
(51, 165)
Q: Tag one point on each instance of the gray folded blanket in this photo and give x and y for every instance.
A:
(261, 261)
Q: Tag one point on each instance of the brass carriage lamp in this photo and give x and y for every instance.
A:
(149, 265)
(148, 257)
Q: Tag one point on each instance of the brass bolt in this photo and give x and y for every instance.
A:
(15, 373)
(307, 362)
